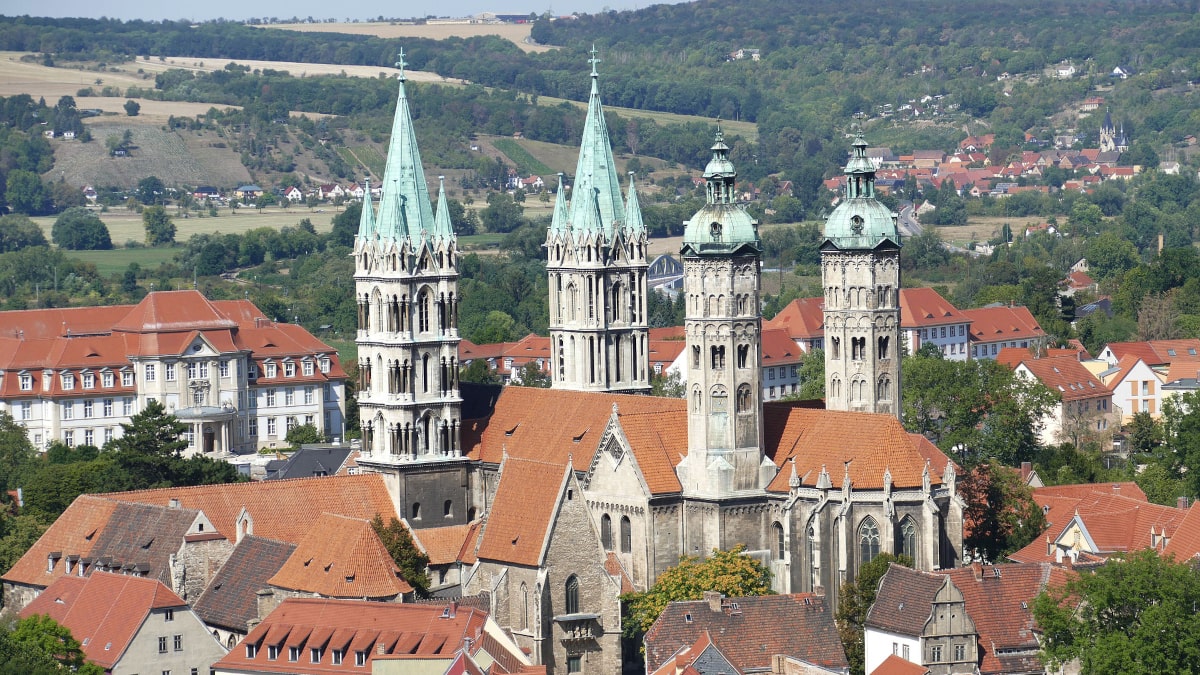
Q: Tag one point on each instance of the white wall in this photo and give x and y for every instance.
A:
(880, 645)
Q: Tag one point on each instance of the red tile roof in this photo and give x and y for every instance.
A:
(1067, 377)
(922, 307)
(750, 631)
(443, 544)
(1185, 542)
(1157, 352)
(103, 611)
(75, 532)
(894, 665)
(517, 526)
(341, 557)
(779, 349)
(993, 324)
(802, 318)
(172, 312)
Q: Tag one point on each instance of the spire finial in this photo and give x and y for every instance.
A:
(720, 133)
(594, 60)
(401, 63)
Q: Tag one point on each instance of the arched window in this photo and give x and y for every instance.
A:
(814, 558)
(780, 547)
(448, 508)
(524, 606)
(906, 538)
(606, 532)
(835, 347)
(423, 311)
(572, 595)
(743, 355)
(883, 348)
(868, 541)
(743, 398)
(471, 514)
(416, 511)
(626, 535)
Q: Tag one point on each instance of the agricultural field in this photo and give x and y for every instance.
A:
(126, 225)
(518, 34)
(118, 260)
(364, 155)
(982, 228)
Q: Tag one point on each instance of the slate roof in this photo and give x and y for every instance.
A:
(518, 523)
(750, 631)
(311, 461)
(230, 599)
(103, 611)
(341, 557)
(379, 629)
(904, 601)
(699, 658)
(142, 534)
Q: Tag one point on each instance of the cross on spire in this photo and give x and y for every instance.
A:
(594, 60)
(401, 63)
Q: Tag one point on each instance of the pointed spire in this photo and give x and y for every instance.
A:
(366, 221)
(860, 170)
(404, 209)
(442, 227)
(633, 209)
(561, 219)
(596, 171)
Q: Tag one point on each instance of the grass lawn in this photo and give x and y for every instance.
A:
(118, 259)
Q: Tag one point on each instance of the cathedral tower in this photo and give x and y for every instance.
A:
(596, 262)
(721, 253)
(860, 272)
(406, 286)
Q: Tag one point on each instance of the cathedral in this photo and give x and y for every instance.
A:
(580, 492)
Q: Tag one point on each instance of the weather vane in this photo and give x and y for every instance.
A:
(401, 63)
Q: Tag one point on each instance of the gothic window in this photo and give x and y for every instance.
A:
(606, 532)
(858, 348)
(743, 398)
(423, 311)
(884, 389)
(835, 347)
(696, 399)
(780, 548)
(906, 539)
(718, 357)
(743, 355)
(571, 606)
(868, 541)
(814, 558)
(572, 301)
(524, 606)
(883, 348)
(626, 535)
(741, 304)
(835, 388)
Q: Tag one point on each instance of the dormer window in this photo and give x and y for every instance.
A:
(68, 381)
(325, 364)
(714, 230)
(307, 368)
(289, 369)
(89, 381)
(272, 370)
(106, 380)
(126, 378)
(26, 381)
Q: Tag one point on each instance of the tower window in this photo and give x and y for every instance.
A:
(606, 532)
(626, 535)
(572, 595)
(835, 347)
(718, 357)
(743, 355)
(743, 398)
(858, 348)
(883, 347)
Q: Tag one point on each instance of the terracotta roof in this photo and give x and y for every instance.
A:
(1115, 376)
(518, 523)
(612, 565)
(341, 557)
(1067, 377)
(992, 324)
(904, 600)
(1157, 352)
(894, 665)
(999, 600)
(778, 348)
(103, 611)
(865, 445)
(666, 351)
(466, 554)
(75, 532)
(1079, 280)
(1115, 523)
(380, 629)
(1082, 490)
(669, 333)
(1184, 369)
(750, 631)
(685, 661)
(443, 544)
(1185, 542)
(230, 600)
(802, 318)
(921, 307)
(281, 509)
(657, 445)
(171, 312)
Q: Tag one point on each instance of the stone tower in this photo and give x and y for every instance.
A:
(721, 252)
(406, 285)
(860, 272)
(1112, 139)
(596, 262)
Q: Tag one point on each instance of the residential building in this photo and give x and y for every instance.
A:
(230, 605)
(238, 380)
(994, 328)
(311, 461)
(1085, 410)
(804, 320)
(746, 635)
(1136, 387)
(928, 318)
(1152, 352)
(128, 624)
(781, 360)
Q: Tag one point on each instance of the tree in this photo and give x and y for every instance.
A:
(26, 193)
(502, 214)
(1000, 511)
(670, 385)
(413, 564)
(345, 225)
(153, 432)
(855, 600)
(1135, 616)
(132, 108)
(303, 433)
(1110, 255)
(532, 375)
(78, 229)
(17, 535)
(729, 572)
(160, 229)
(18, 232)
(42, 635)
(479, 372)
(150, 190)
(812, 376)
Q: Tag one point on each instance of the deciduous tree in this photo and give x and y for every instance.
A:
(80, 230)
(855, 600)
(413, 564)
(1000, 514)
(160, 229)
(42, 635)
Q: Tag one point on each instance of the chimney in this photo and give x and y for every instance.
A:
(173, 503)
(1116, 488)
(977, 570)
(1181, 502)
(267, 602)
(713, 599)
(1026, 469)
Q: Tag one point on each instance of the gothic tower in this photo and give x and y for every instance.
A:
(596, 262)
(721, 253)
(1112, 139)
(406, 285)
(860, 272)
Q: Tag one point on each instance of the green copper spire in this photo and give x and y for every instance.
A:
(596, 172)
(404, 209)
(561, 214)
(722, 226)
(366, 221)
(860, 221)
(442, 226)
(633, 210)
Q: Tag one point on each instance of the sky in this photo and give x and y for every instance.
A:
(360, 9)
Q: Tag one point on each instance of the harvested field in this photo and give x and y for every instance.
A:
(983, 228)
(176, 157)
(518, 34)
(125, 225)
(118, 259)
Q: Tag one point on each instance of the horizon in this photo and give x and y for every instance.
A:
(128, 10)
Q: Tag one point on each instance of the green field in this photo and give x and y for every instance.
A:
(526, 163)
(125, 225)
(118, 259)
(364, 155)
